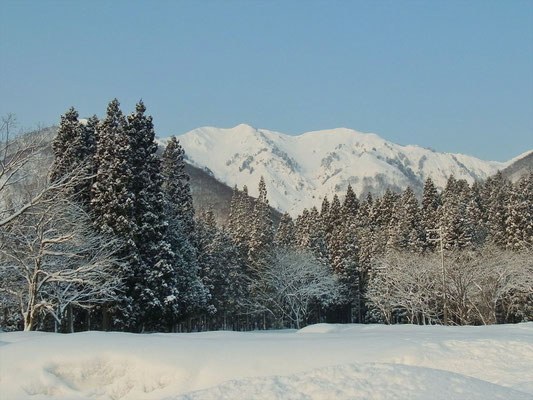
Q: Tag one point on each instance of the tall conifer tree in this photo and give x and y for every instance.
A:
(262, 232)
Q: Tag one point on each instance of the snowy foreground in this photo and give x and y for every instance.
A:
(318, 362)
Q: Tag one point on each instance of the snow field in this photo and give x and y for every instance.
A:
(318, 362)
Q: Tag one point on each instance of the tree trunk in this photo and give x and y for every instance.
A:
(105, 318)
(70, 319)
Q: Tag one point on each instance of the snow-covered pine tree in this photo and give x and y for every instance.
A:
(206, 230)
(233, 218)
(496, 195)
(309, 234)
(343, 246)
(74, 148)
(301, 229)
(395, 231)
(430, 216)
(156, 287)
(405, 231)
(520, 215)
(221, 271)
(365, 208)
(239, 221)
(176, 184)
(128, 202)
(350, 206)
(179, 214)
(475, 212)
(343, 253)
(262, 231)
(112, 201)
(285, 234)
(365, 226)
(324, 209)
(66, 145)
(334, 218)
(317, 237)
(453, 214)
(381, 216)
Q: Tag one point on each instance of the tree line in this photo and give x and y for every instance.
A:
(109, 239)
(385, 252)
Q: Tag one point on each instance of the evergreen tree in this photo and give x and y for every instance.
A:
(406, 231)
(262, 231)
(475, 215)
(301, 228)
(519, 221)
(128, 202)
(317, 242)
(430, 215)
(113, 202)
(156, 288)
(309, 234)
(364, 212)
(324, 210)
(74, 148)
(381, 217)
(350, 206)
(285, 234)
(176, 184)
(497, 192)
(343, 253)
(239, 221)
(453, 215)
(222, 273)
(180, 234)
(334, 218)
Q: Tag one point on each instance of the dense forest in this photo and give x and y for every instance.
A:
(110, 240)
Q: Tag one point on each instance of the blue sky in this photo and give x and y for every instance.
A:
(456, 76)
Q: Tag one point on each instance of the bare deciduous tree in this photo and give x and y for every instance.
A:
(51, 258)
(406, 282)
(291, 284)
(21, 156)
(485, 286)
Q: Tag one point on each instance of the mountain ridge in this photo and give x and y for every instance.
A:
(300, 170)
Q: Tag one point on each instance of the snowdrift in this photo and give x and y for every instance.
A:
(318, 362)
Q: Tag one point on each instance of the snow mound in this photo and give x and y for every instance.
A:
(368, 381)
(323, 328)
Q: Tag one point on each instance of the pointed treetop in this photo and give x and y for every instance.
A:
(71, 114)
(113, 106)
(351, 203)
(140, 108)
(325, 207)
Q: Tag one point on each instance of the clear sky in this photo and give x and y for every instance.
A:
(456, 76)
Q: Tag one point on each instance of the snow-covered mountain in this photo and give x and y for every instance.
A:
(301, 170)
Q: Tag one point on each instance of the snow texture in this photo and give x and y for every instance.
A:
(300, 170)
(318, 362)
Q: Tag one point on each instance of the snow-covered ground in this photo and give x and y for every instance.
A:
(317, 362)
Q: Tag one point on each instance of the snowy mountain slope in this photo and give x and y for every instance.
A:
(300, 170)
(519, 166)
